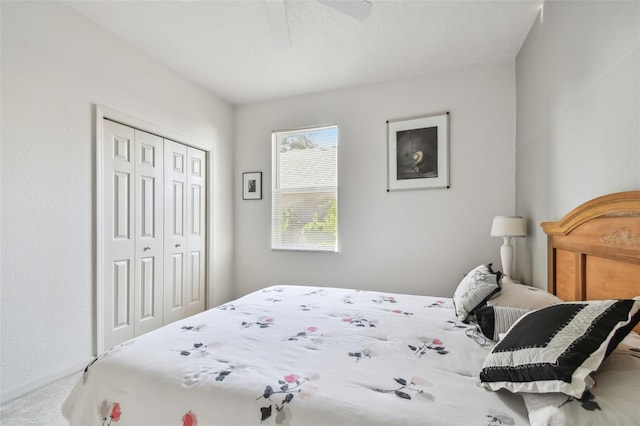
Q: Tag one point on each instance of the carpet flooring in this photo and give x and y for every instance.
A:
(40, 407)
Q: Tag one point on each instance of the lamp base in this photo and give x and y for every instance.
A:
(506, 256)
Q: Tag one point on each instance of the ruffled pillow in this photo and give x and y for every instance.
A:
(474, 290)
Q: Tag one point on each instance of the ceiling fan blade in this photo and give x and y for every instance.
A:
(278, 24)
(357, 9)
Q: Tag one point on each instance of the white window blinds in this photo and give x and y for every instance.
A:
(304, 210)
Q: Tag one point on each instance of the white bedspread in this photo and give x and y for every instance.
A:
(300, 356)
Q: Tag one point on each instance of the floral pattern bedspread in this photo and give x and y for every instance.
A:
(297, 355)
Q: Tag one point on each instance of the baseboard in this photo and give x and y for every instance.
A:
(18, 391)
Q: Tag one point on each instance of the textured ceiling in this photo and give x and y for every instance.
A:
(226, 45)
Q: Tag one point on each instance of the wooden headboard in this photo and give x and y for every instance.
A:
(594, 251)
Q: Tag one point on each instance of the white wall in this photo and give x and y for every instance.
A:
(413, 241)
(578, 115)
(55, 66)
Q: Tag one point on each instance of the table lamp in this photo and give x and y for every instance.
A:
(507, 227)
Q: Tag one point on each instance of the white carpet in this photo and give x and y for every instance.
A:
(40, 407)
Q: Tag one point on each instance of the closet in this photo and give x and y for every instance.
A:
(152, 225)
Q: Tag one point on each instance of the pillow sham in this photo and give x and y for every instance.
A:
(522, 296)
(495, 320)
(554, 349)
(474, 290)
(610, 402)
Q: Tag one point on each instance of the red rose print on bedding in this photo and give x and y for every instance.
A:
(189, 419)
(109, 412)
(359, 322)
(435, 345)
(440, 304)
(115, 412)
(398, 311)
(385, 299)
(308, 333)
(289, 385)
(291, 378)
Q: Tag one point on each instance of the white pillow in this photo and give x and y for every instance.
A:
(474, 290)
(522, 296)
(613, 400)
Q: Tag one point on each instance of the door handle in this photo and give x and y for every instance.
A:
(146, 248)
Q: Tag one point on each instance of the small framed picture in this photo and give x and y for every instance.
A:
(252, 186)
(418, 152)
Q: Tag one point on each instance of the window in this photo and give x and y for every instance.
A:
(304, 210)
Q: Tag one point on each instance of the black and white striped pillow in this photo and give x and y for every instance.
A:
(495, 320)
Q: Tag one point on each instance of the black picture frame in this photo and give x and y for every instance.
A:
(252, 186)
(418, 152)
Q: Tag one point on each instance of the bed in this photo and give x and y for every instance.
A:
(303, 355)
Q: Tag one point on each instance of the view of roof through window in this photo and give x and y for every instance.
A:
(304, 209)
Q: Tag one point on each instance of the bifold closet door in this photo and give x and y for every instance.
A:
(132, 176)
(175, 241)
(149, 221)
(184, 248)
(196, 228)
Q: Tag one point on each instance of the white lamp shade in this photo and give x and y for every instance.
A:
(508, 226)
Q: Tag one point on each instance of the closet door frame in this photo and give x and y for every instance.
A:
(102, 112)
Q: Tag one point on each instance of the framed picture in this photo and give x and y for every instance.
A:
(252, 186)
(418, 153)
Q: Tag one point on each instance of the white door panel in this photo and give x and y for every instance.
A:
(149, 215)
(175, 238)
(196, 239)
(117, 264)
